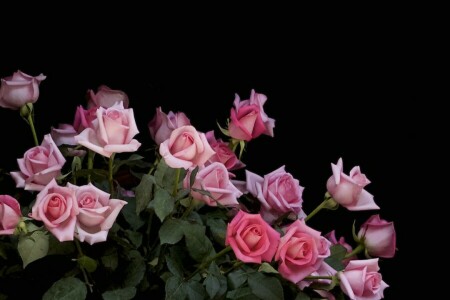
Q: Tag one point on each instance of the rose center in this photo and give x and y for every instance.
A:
(252, 235)
(55, 207)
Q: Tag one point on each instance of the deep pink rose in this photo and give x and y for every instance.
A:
(97, 213)
(186, 148)
(349, 191)
(57, 208)
(19, 89)
(106, 97)
(248, 119)
(10, 214)
(39, 165)
(301, 251)
(65, 133)
(223, 154)
(162, 125)
(215, 179)
(331, 236)
(111, 132)
(279, 192)
(379, 237)
(360, 280)
(252, 239)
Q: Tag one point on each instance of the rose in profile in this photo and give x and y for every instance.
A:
(19, 89)
(65, 133)
(162, 125)
(223, 154)
(10, 214)
(378, 236)
(106, 97)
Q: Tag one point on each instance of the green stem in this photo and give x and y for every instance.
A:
(175, 185)
(235, 266)
(316, 210)
(360, 248)
(206, 263)
(328, 203)
(90, 163)
(318, 277)
(80, 254)
(110, 175)
(33, 130)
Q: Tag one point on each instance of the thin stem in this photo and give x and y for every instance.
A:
(33, 130)
(90, 163)
(175, 185)
(318, 277)
(208, 261)
(235, 266)
(316, 210)
(110, 175)
(85, 275)
(360, 248)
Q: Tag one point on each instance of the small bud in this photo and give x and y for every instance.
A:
(26, 110)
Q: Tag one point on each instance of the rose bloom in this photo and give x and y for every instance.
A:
(186, 148)
(301, 251)
(106, 97)
(19, 89)
(279, 192)
(348, 190)
(57, 208)
(223, 154)
(10, 214)
(379, 237)
(39, 166)
(248, 119)
(251, 238)
(162, 125)
(112, 131)
(360, 280)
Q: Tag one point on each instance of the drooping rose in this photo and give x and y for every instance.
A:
(223, 154)
(57, 208)
(379, 237)
(39, 166)
(162, 125)
(10, 214)
(248, 119)
(111, 132)
(19, 89)
(106, 97)
(331, 236)
(186, 148)
(348, 190)
(279, 192)
(251, 238)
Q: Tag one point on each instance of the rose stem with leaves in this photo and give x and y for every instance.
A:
(27, 114)
(328, 203)
(206, 263)
(80, 252)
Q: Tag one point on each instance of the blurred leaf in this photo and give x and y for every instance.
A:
(133, 160)
(174, 266)
(212, 285)
(192, 177)
(135, 269)
(267, 268)
(338, 253)
(66, 289)
(175, 289)
(198, 244)
(121, 294)
(129, 213)
(60, 248)
(164, 175)
(302, 296)
(195, 290)
(171, 231)
(215, 283)
(265, 287)
(96, 174)
(243, 293)
(237, 278)
(76, 164)
(134, 237)
(88, 263)
(163, 203)
(110, 259)
(218, 229)
(144, 192)
(33, 247)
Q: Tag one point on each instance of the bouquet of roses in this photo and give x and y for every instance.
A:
(182, 219)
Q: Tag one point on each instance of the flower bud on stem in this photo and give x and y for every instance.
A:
(26, 112)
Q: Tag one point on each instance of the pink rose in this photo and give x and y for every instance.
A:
(223, 154)
(331, 236)
(162, 125)
(97, 213)
(186, 148)
(10, 214)
(360, 280)
(19, 89)
(248, 119)
(324, 270)
(112, 131)
(378, 236)
(106, 97)
(39, 165)
(57, 208)
(65, 133)
(349, 191)
(251, 238)
(215, 179)
(301, 251)
(278, 193)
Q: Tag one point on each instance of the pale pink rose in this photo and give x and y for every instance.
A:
(279, 192)
(65, 133)
(162, 125)
(349, 191)
(378, 236)
(301, 251)
(111, 132)
(251, 238)
(324, 270)
(57, 208)
(223, 154)
(248, 119)
(331, 236)
(19, 89)
(97, 213)
(214, 179)
(186, 148)
(361, 280)
(106, 97)
(39, 165)
(10, 214)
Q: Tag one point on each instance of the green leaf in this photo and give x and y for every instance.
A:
(338, 253)
(76, 164)
(33, 247)
(134, 237)
(237, 278)
(215, 283)
(121, 294)
(212, 285)
(265, 287)
(110, 259)
(267, 268)
(134, 159)
(192, 176)
(174, 266)
(198, 244)
(66, 289)
(135, 269)
(129, 213)
(243, 293)
(144, 192)
(175, 289)
(195, 290)
(302, 296)
(218, 229)
(163, 203)
(165, 175)
(171, 231)
(88, 263)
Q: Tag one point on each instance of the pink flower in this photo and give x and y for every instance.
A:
(186, 148)
(279, 192)
(223, 154)
(57, 208)
(65, 133)
(215, 179)
(162, 125)
(360, 280)
(19, 89)
(331, 236)
(107, 97)
(112, 131)
(349, 191)
(301, 251)
(97, 213)
(324, 270)
(248, 119)
(378, 236)
(251, 238)
(39, 166)
(10, 214)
